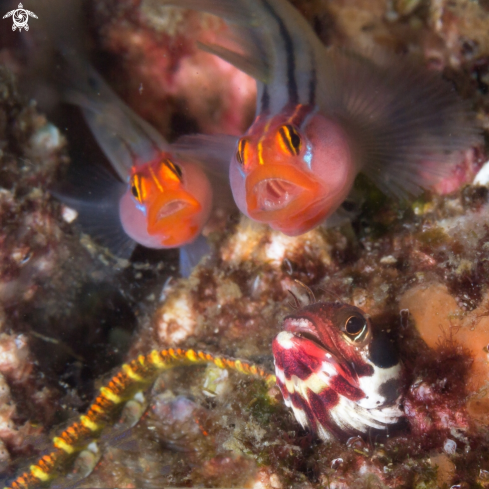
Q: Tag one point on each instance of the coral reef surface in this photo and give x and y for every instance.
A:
(70, 313)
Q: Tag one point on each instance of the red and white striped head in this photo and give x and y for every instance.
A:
(338, 374)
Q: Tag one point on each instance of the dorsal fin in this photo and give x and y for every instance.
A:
(249, 64)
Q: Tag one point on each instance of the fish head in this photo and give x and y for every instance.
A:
(167, 203)
(292, 171)
(340, 377)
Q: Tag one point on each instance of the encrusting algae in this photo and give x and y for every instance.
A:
(416, 270)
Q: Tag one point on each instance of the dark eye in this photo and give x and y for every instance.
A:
(174, 168)
(291, 138)
(356, 327)
(136, 187)
(241, 151)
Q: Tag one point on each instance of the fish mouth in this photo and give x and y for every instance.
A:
(174, 220)
(280, 196)
(274, 194)
(303, 328)
(171, 208)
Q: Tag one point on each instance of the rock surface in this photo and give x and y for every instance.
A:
(69, 313)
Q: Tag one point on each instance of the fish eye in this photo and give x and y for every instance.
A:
(356, 327)
(240, 153)
(176, 169)
(291, 138)
(136, 187)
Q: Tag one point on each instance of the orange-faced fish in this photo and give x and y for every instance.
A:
(164, 196)
(325, 114)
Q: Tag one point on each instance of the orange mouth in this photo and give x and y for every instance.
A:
(174, 218)
(276, 194)
(171, 208)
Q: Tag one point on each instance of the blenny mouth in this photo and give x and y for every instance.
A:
(308, 336)
(274, 194)
(302, 328)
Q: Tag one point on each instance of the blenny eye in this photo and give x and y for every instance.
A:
(240, 153)
(356, 328)
(291, 138)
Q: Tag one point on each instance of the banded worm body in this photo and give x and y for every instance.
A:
(325, 114)
(340, 376)
(131, 378)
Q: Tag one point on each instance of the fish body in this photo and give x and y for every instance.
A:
(163, 196)
(340, 376)
(325, 114)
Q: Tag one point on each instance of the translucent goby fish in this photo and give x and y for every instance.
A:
(325, 114)
(339, 374)
(164, 195)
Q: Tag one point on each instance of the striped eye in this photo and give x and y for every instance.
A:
(240, 153)
(136, 187)
(291, 138)
(174, 168)
(356, 328)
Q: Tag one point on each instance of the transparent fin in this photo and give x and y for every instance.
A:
(277, 46)
(191, 254)
(251, 65)
(247, 44)
(214, 151)
(96, 198)
(343, 215)
(125, 138)
(235, 11)
(408, 125)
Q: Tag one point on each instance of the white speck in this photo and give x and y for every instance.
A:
(141, 88)
(275, 482)
(285, 340)
(177, 320)
(449, 446)
(68, 214)
(278, 246)
(139, 397)
(388, 260)
(336, 463)
(216, 381)
(482, 178)
(93, 447)
(47, 137)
